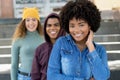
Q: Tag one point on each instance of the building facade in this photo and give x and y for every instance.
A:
(13, 8)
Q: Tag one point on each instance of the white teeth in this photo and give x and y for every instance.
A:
(77, 35)
(52, 32)
(30, 26)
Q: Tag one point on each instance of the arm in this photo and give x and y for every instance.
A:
(14, 60)
(35, 73)
(97, 62)
(54, 71)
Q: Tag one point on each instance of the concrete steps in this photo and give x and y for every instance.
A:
(5, 51)
(110, 27)
(5, 76)
(7, 30)
(107, 38)
(5, 41)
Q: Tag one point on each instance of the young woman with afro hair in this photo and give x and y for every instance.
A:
(76, 56)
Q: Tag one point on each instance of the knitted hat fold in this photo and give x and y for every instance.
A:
(31, 12)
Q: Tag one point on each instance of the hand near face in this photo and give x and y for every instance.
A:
(90, 38)
(89, 41)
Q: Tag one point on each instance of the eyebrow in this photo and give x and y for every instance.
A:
(79, 22)
(57, 23)
(82, 22)
(53, 24)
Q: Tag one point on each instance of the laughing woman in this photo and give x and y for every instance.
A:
(27, 37)
(76, 56)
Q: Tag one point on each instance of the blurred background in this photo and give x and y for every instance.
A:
(108, 34)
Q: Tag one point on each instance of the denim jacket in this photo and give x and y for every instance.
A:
(67, 62)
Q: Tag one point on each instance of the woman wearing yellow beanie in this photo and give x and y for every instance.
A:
(26, 38)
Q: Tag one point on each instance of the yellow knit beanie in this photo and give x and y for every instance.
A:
(30, 12)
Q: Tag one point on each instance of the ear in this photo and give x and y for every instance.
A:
(89, 27)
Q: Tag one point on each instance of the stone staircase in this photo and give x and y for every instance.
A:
(7, 27)
(108, 35)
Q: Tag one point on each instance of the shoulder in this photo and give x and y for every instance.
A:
(100, 49)
(63, 38)
(17, 42)
(63, 42)
(43, 49)
(43, 45)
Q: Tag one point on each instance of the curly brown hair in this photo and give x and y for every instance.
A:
(85, 10)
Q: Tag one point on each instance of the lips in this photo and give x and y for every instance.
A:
(53, 32)
(78, 35)
(31, 27)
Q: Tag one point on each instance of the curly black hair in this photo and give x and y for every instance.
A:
(80, 10)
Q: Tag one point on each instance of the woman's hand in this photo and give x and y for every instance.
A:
(89, 41)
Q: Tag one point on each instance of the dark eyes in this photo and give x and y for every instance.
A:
(48, 25)
(31, 19)
(72, 26)
(55, 25)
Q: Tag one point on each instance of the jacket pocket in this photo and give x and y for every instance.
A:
(66, 55)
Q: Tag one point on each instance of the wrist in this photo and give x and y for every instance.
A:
(91, 47)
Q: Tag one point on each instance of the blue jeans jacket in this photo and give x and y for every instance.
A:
(67, 62)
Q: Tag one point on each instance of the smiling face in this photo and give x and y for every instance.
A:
(53, 28)
(79, 29)
(31, 24)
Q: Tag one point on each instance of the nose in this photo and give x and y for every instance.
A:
(52, 27)
(77, 28)
(31, 21)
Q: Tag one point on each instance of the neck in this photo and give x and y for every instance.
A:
(81, 45)
(53, 41)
